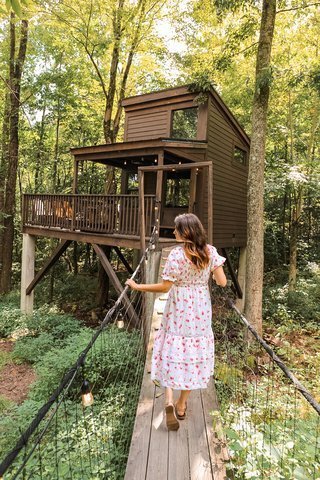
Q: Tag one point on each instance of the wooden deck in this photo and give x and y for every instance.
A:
(194, 452)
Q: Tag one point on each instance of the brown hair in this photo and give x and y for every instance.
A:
(193, 235)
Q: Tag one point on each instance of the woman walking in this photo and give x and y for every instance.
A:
(183, 352)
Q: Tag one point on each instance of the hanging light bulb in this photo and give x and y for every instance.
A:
(120, 322)
(156, 160)
(86, 394)
(125, 162)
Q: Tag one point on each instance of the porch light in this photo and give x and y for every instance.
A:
(86, 394)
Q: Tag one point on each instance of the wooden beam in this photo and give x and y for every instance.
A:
(193, 186)
(127, 241)
(174, 166)
(159, 192)
(232, 273)
(210, 203)
(142, 213)
(75, 176)
(123, 259)
(116, 283)
(61, 248)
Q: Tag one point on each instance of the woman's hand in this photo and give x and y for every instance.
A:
(132, 284)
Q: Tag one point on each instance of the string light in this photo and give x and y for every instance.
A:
(86, 394)
(120, 322)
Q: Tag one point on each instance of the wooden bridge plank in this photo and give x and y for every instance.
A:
(215, 437)
(158, 451)
(178, 458)
(200, 465)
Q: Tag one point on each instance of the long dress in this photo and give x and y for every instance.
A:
(183, 351)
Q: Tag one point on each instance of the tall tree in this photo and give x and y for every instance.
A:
(255, 255)
(16, 63)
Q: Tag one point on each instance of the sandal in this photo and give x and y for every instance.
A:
(171, 418)
(179, 416)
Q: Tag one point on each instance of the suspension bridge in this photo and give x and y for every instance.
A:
(256, 420)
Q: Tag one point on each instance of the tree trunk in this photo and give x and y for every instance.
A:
(117, 32)
(255, 257)
(3, 168)
(16, 67)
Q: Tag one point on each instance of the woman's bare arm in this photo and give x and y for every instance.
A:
(219, 276)
(162, 287)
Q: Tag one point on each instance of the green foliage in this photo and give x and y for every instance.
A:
(113, 366)
(11, 318)
(5, 357)
(297, 309)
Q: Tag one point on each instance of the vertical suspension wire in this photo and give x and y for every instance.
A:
(68, 435)
(56, 443)
(316, 463)
(294, 430)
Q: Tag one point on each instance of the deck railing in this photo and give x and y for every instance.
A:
(113, 214)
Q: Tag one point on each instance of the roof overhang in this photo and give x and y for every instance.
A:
(116, 153)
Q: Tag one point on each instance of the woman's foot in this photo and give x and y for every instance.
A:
(171, 417)
(180, 410)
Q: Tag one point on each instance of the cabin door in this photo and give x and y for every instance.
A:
(178, 197)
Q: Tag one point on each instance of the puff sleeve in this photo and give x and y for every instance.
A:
(216, 259)
(171, 268)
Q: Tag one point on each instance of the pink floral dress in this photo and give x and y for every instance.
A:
(183, 351)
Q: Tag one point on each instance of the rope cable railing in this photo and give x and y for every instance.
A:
(270, 419)
(61, 432)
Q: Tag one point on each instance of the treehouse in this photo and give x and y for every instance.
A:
(182, 152)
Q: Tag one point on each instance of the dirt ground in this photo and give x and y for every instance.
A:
(15, 379)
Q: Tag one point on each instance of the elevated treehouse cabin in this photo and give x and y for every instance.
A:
(189, 157)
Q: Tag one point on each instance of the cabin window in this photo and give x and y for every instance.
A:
(177, 192)
(240, 155)
(184, 123)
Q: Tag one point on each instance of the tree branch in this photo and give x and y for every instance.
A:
(297, 8)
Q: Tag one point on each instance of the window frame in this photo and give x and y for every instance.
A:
(195, 107)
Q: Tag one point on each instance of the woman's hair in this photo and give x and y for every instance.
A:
(193, 235)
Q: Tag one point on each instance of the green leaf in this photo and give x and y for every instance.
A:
(16, 7)
(300, 474)
(8, 5)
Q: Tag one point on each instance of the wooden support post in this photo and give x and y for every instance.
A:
(159, 185)
(75, 176)
(193, 187)
(27, 271)
(116, 283)
(210, 204)
(142, 220)
(152, 270)
(61, 248)
(240, 302)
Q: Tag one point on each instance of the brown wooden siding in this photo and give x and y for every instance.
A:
(229, 181)
(147, 126)
(152, 119)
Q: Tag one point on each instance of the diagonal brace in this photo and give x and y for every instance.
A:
(61, 248)
(116, 283)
